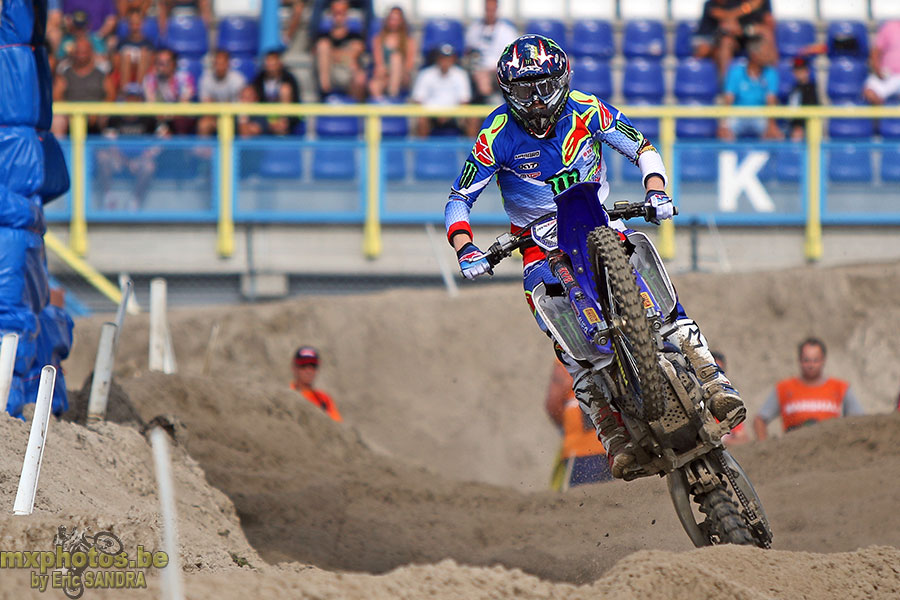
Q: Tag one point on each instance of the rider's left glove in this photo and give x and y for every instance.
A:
(660, 206)
(472, 261)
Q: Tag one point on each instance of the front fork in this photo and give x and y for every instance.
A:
(590, 317)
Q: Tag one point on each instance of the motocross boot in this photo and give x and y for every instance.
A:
(594, 401)
(722, 398)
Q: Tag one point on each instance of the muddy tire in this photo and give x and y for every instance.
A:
(607, 251)
(723, 524)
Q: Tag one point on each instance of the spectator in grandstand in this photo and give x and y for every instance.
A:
(394, 54)
(804, 93)
(339, 51)
(135, 52)
(124, 7)
(582, 457)
(295, 7)
(166, 9)
(442, 84)
(754, 83)
(250, 125)
(219, 84)
(739, 434)
(809, 398)
(884, 61)
(81, 78)
(101, 14)
(165, 84)
(728, 26)
(276, 84)
(305, 366)
(319, 25)
(485, 42)
(78, 26)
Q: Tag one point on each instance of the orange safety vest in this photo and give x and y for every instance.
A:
(320, 399)
(801, 403)
(579, 435)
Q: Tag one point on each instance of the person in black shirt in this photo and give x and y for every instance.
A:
(276, 84)
(803, 94)
(728, 25)
(339, 52)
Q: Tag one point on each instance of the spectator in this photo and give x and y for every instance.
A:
(394, 53)
(884, 61)
(754, 83)
(101, 14)
(804, 93)
(79, 26)
(169, 8)
(317, 24)
(296, 9)
(135, 52)
(728, 26)
(442, 84)
(124, 7)
(250, 125)
(339, 52)
(739, 434)
(165, 84)
(220, 84)
(485, 42)
(276, 84)
(583, 459)
(305, 366)
(80, 78)
(810, 398)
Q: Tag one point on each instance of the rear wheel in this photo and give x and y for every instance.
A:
(635, 347)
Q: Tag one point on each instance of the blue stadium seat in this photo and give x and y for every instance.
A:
(394, 163)
(245, 65)
(789, 165)
(334, 162)
(846, 30)
(150, 30)
(281, 163)
(551, 28)
(684, 39)
(442, 31)
(644, 39)
(437, 163)
(592, 76)
(394, 127)
(849, 164)
(890, 165)
(239, 35)
(792, 36)
(643, 81)
(695, 128)
(851, 128)
(592, 38)
(696, 79)
(699, 164)
(786, 79)
(890, 128)
(327, 126)
(186, 36)
(845, 79)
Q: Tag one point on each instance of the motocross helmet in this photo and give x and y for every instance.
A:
(534, 73)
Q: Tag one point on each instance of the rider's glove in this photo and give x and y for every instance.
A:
(472, 262)
(660, 206)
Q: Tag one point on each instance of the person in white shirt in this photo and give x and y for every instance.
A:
(485, 42)
(442, 84)
(219, 84)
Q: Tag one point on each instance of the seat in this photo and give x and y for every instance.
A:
(643, 81)
(786, 10)
(150, 30)
(592, 76)
(331, 126)
(281, 162)
(859, 129)
(849, 164)
(239, 35)
(789, 165)
(393, 127)
(187, 36)
(442, 31)
(792, 36)
(698, 164)
(890, 128)
(245, 65)
(393, 161)
(695, 128)
(436, 163)
(885, 10)
(595, 9)
(334, 162)
(684, 39)
(551, 28)
(841, 33)
(687, 10)
(645, 9)
(696, 79)
(644, 39)
(592, 38)
(445, 9)
(890, 164)
(845, 79)
(786, 78)
(833, 10)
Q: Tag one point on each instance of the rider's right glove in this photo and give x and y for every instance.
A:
(661, 207)
(472, 261)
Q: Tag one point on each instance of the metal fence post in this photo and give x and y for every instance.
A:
(813, 244)
(225, 237)
(666, 245)
(372, 227)
(78, 224)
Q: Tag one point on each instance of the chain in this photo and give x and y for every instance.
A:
(751, 514)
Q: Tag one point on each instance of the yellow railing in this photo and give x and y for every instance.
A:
(78, 113)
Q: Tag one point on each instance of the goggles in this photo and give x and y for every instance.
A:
(527, 92)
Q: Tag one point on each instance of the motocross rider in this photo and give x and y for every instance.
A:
(541, 141)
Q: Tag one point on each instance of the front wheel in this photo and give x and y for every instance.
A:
(723, 524)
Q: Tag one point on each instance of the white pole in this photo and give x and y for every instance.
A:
(171, 574)
(132, 306)
(37, 440)
(446, 272)
(157, 324)
(7, 365)
(103, 367)
(127, 286)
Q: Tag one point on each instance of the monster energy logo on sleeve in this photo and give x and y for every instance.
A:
(629, 131)
(468, 174)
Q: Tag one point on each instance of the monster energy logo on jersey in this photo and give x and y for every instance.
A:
(628, 131)
(468, 174)
(563, 181)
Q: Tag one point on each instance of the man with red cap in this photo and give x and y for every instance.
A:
(305, 366)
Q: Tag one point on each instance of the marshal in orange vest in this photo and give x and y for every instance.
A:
(802, 403)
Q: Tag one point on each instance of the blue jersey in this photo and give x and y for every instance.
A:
(531, 172)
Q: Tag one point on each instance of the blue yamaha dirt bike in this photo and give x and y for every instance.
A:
(612, 312)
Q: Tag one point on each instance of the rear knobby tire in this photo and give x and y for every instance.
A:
(606, 249)
(723, 524)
